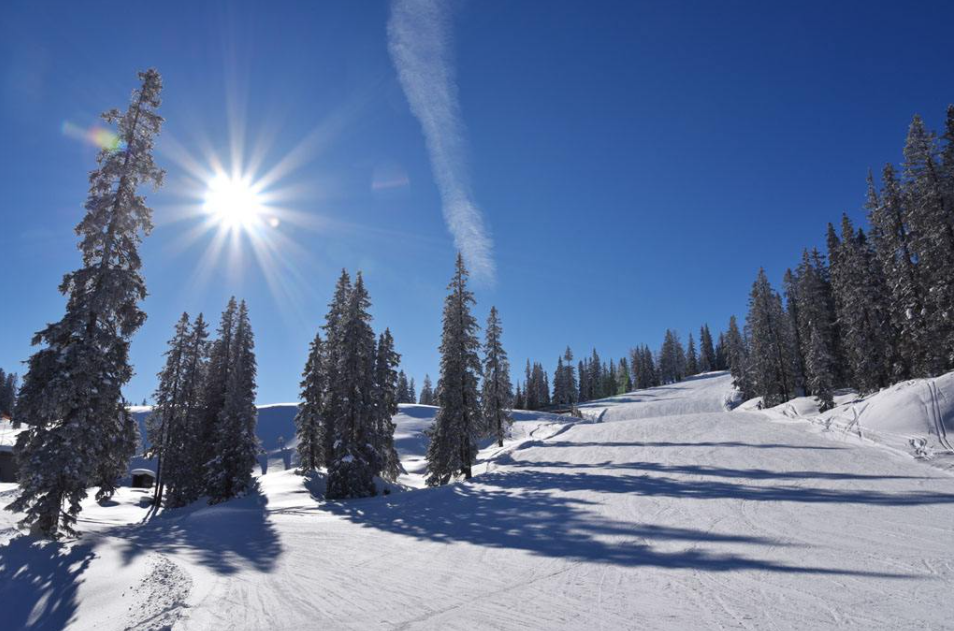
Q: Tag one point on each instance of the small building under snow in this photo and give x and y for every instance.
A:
(8, 438)
(142, 478)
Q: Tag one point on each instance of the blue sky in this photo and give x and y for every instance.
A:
(634, 163)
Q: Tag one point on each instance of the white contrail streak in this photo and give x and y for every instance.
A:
(419, 40)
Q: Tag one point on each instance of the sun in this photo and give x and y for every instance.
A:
(234, 202)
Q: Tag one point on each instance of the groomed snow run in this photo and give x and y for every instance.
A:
(671, 513)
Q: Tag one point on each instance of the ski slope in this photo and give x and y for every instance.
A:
(670, 514)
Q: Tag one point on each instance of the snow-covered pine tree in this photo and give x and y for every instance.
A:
(216, 385)
(168, 409)
(861, 307)
(184, 465)
(931, 223)
(569, 378)
(80, 433)
(721, 359)
(792, 309)
(530, 390)
(453, 445)
(497, 396)
(583, 387)
(820, 374)
(351, 467)
(596, 376)
(559, 383)
(229, 472)
(707, 355)
(8, 393)
(387, 463)
(894, 251)
(624, 382)
(331, 409)
(403, 392)
(427, 392)
(692, 362)
(308, 424)
(771, 346)
(518, 401)
(411, 391)
(737, 359)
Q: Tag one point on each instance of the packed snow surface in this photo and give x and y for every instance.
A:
(670, 513)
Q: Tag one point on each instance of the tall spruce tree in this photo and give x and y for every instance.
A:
(497, 395)
(707, 354)
(168, 409)
(771, 346)
(692, 361)
(214, 392)
(80, 433)
(427, 392)
(403, 389)
(737, 359)
(861, 307)
(236, 447)
(331, 406)
(387, 462)
(308, 422)
(353, 462)
(184, 453)
(453, 446)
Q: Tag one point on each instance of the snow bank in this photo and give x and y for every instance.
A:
(915, 417)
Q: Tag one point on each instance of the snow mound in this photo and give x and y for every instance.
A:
(915, 416)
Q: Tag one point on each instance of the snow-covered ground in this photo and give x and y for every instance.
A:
(670, 514)
(913, 417)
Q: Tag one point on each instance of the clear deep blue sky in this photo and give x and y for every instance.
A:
(635, 162)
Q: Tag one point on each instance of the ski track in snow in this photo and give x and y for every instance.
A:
(670, 513)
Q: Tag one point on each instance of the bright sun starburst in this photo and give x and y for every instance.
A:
(234, 202)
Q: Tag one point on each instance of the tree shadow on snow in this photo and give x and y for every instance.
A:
(39, 581)
(223, 537)
(719, 472)
(726, 443)
(517, 510)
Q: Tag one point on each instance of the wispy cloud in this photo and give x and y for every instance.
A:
(419, 40)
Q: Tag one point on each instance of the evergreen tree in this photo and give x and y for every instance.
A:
(229, 472)
(184, 454)
(388, 463)
(518, 400)
(861, 307)
(792, 312)
(721, 358)
(771, 346)
(497, 395)
(308, 421)
(403, 390)
(737, 358)
(169, 409)
(895, 254)
(931, 222)
(221, 362)
(623, 380)
(332, 404)
(353, 462)
(820, 374)
(80, 433)
(411, 391)
(569, 379)
(453, 446)
(8, 393)
(427, 392)
(596, 377)
(707, 354)
(692, 363)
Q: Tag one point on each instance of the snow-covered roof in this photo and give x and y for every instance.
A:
(8, 435)
(143, 472)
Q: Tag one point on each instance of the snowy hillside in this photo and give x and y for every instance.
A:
(670, 514)
(915, 417)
